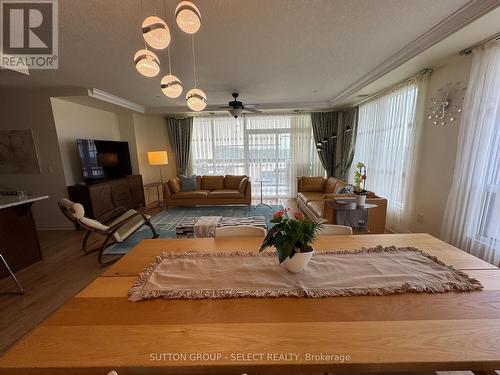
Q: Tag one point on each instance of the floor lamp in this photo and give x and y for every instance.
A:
(158, 158)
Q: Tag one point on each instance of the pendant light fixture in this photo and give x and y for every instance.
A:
(155, 32)
(147, 63)
(188, 17)
(196, 99)
(170, 84)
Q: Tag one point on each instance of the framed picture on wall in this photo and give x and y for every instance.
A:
(18, 152)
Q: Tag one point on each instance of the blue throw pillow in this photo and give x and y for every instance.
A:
(188, 183)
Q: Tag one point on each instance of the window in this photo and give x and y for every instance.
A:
(384, 143)
(275, 149)
(472, 216)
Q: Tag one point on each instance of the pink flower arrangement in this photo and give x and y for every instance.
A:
(299, 216)
(290, 235)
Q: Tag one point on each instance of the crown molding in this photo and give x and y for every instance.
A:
(462, 17)
(107, 97)
(216, 108)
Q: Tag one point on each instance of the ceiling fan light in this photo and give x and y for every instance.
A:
(147, 63)
(196, 100)
(171, 86)
(188, 17)
(155, 32)
(236, 112)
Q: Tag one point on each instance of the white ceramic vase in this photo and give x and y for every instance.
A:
(298, 262)
(360, 200)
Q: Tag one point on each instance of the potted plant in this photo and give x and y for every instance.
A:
(292, 238)
(360, 197)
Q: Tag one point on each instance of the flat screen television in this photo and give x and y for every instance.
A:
(103, 160)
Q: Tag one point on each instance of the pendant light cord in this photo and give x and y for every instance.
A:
(169, 65)
(194, 62)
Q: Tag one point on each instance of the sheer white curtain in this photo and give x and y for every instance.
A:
(217, 146)
(472, 216)
(273, 148)
(305, 159)
(388, 129)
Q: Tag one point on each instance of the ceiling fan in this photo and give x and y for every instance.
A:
(235, 107)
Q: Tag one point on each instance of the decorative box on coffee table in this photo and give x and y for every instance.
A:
(186, 227)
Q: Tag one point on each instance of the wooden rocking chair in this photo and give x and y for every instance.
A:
(117, 231)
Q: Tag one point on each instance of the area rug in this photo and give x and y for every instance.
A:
(165, 222)
(374, 271)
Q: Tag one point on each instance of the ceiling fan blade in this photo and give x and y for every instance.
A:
(253, 110)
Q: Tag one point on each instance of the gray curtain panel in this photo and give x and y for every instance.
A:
(349, 130)
(179, 131)
(324, 126)
(337, 153)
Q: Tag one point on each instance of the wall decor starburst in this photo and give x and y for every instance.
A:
(447, 103)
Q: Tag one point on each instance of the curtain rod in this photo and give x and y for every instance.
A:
(468, 51)
(397, 85)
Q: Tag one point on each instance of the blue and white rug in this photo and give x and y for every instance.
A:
(165, 222)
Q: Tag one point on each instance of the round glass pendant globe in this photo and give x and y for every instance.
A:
(155, 32)
(188, 17)
(171, 86)
(196, 100)
(147, 63)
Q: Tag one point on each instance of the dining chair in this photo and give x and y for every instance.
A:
(127, 223)
(240, 231)
(334, 230)
(21, 290)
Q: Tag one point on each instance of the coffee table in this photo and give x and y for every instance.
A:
(185, 228)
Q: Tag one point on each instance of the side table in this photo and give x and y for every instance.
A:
(348, 214)
(156, 185)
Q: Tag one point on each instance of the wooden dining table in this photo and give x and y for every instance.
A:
(99, 329)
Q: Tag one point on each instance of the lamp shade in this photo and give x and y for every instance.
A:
(155, 32)
(196, 100)
(147, 63)
(171, 86)
(188, 17)
(157, 157)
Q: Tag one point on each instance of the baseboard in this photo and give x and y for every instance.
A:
(55, 227)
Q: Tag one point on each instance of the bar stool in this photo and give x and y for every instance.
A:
(21, 291)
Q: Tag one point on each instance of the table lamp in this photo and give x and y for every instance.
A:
(158, 158)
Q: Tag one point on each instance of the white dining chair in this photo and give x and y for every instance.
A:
(334, 230)
(240, 231)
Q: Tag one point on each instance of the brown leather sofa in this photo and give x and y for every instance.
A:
(313, 192)
(210, 190)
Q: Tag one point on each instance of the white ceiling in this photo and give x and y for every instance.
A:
(276, 53)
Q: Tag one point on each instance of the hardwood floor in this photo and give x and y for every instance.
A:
(64, 271)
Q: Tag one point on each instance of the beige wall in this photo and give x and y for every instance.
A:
(151, 135)
(73, 121)
(57, 118)
(31, 109)
(437, 152)
(88, 118)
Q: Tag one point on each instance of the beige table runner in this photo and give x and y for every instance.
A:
(374, 271)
